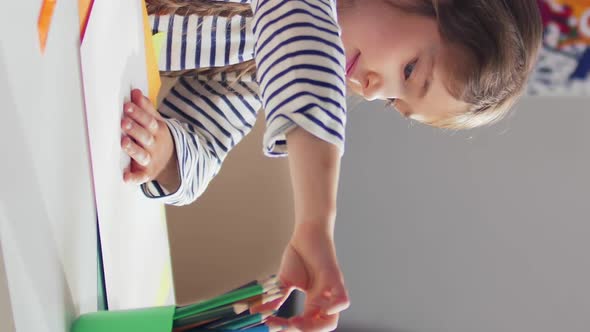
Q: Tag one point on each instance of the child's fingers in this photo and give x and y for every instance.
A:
(283, 323)
(306, 323)
(139, 133)
(336, 300)
(135, 151)
(135, 177)
(142, 101)
(144, 118)
(338, 305)
(315, 323)
(326, 304)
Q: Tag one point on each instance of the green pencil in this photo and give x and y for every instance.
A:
(235, 296)
(221, 312)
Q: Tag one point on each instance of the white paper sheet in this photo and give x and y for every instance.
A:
(132, 228)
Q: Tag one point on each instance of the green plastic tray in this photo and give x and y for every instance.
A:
(158, 319)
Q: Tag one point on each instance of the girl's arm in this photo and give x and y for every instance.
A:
(300, 70)
(309, 262)
(315, 168)
(198, 118)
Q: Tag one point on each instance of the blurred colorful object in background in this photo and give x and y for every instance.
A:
(564, 61)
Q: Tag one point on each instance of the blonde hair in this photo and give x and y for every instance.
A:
(499, 41)
(204, 8)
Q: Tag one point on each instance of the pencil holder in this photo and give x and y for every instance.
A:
(158, 319)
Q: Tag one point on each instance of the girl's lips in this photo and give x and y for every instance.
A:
(352, 65)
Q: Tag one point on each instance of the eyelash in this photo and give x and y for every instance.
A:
(391, 101)
(413, 66)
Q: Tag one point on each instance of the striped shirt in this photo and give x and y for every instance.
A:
(299, 82)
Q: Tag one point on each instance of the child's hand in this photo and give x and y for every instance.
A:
(146, 139)
(310, 265)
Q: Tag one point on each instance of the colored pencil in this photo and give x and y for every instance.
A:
(225, 311)
(242, 322)
(266, 299)
(264, 328)
(274, 291)
(219, 322)
(263, 298)
(192, 326)
(251, 326)
(260, 328)
(252, 305)
(235, 296)
(273, 279)
(192, 322)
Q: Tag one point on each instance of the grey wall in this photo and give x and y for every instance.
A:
(483, 231)
(6, 321)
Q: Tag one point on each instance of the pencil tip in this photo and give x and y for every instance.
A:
(241, 307)
(272, 280)
(271, 298)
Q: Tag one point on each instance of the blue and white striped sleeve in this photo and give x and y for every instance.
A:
(207, 118)
(301, 70)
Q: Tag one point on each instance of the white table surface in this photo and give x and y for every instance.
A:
(48, 256)
(47, 211)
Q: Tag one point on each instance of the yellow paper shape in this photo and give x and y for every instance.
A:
(44, 21)
(158, 39)
(153, 73)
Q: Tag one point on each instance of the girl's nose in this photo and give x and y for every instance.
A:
(372, 84)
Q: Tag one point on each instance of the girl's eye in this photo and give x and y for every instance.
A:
(409, 69)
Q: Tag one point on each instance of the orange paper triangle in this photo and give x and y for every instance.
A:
(84, 7)
(44, 21)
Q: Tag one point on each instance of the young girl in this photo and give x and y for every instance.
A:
(451, 64)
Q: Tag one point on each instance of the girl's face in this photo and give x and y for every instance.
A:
(396, 55)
